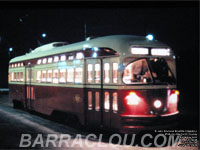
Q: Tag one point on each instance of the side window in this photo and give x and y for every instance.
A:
(97, 105)
(70, 57)
(17, 76)
(56, 59)
(32, 75)
(9, 77)
(44, 72)
(55, 76)
(62, 76)
(39, 61)
(115, 68)
(78, 75)
(70, 75)
(89, 100)
(89, 70)
(12, 76)
(44, 61)
(79, 55)
(106, 72)
(137, 72)
(27, 76)
(49, 76)
(38, 76)
(62, 58)
(97, 73)
(50, 59)
(21, 76)
(106, 101)
(115, 104)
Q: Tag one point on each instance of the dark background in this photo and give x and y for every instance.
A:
(174, 23)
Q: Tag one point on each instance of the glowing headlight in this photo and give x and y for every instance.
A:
(132, 99)
(157, 104)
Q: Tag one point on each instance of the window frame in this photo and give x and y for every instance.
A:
(104, 68)
(114, 72)
(122, 75)
(91, 73)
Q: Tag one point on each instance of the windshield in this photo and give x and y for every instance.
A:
(144, 71)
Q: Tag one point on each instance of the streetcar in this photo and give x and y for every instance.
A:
(120, 82)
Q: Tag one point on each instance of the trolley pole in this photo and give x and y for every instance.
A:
(85, 30)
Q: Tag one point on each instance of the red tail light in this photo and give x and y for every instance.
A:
(132, 99)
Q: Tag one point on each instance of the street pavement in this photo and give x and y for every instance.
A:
(14, 123)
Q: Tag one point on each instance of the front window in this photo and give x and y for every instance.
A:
(144, 71)
(137, 72)
(160, 71)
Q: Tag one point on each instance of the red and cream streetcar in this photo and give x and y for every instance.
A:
(118, 82)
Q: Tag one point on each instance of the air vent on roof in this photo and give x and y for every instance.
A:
(91, 37)
(50, 46)
(58, 44)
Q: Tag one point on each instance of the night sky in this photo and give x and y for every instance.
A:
(176, 24)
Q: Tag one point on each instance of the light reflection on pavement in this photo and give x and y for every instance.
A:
(15, 122)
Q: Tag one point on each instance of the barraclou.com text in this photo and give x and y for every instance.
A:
(91, 140)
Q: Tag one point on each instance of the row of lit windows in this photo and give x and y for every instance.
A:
(60, 75)
(16, 76)
(72, 75)
(107, 101)
(97, 73)
(61, 58)
(16, 65)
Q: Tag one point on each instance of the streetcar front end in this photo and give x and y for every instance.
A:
(150, 97)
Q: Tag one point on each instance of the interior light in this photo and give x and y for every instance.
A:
(139, 50)
(39, 61)
(50, 59)
(79, 55)
(56, 59)
(132, 99)
(150, 37)
(95, 49)
(160, 51)
(94, 54)
(63, 58)
(157, 104)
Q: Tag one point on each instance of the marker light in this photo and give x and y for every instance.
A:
(10, 49)
(44, 35)
(173, 98)
(138, 50)
(132, 99)
(157, 104)
(160, 51)
(150, 37)
(85, 46)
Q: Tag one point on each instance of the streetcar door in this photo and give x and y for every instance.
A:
(93, 87)
(29, 89)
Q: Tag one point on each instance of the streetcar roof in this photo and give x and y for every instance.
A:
(120, 43)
